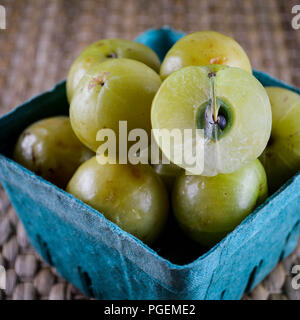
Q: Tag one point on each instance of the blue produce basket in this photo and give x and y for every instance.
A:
(108, 263)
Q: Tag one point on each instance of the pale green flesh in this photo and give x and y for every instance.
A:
(177, 101)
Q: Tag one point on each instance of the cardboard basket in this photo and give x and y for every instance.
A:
(108, 263)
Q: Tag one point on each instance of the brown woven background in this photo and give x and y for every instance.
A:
(44, 36)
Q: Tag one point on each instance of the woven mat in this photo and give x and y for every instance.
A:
(42, 39)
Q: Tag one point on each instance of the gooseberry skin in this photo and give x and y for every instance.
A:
(107, 49)
(168, 172)
(115, 90)
(204, 48)
(176, 106)
(281, 157)
(132, 196)
(207, 208)
(50, 148)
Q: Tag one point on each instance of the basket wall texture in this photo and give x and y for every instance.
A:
(106, 262)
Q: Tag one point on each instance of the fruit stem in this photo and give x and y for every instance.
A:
(215, 106)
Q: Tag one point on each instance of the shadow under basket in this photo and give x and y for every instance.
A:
(108, 263)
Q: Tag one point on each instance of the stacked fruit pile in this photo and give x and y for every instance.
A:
(206, 86)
